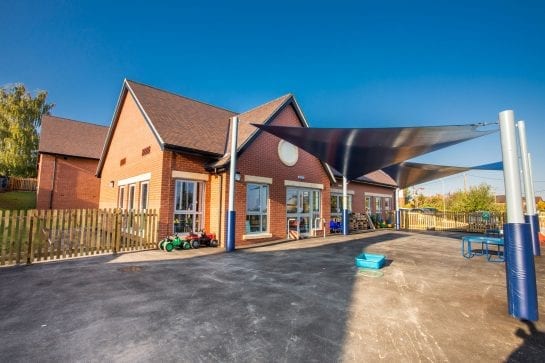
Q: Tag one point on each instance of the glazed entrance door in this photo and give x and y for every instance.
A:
(302, 207)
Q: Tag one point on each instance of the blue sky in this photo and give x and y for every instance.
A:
(349, 63)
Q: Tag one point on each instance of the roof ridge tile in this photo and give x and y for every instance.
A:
(179, 95)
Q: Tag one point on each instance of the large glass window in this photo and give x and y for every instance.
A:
(188, 206)
(257, 197)
(132, 189)
(378, 204)
(387, 203)
(144, 195)
(368, 204)
(337, 204)
(121, 195)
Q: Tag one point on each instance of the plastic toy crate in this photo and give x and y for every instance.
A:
(370, 260)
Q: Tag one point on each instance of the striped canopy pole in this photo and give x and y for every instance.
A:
(519, 258)
(531, 216)
(231, 217)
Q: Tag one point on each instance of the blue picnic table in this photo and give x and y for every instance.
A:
(486, 243)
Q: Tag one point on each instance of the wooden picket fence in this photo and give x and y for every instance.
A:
(452, 221)
(22, 184)
(41, 235)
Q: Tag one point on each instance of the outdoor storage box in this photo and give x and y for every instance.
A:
(370, 260)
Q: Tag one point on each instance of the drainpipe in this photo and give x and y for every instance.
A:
(231, 218)
(531, 216)
(519, 260)
(345, 206)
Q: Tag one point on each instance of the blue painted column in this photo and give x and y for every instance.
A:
(519, 260)
(531, 216)
(346, 229)
(398, 211)
(231, 216)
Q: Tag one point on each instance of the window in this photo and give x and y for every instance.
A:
(144, 195)
(257, 197)
(387, 203)
(130, 204)
(337, 204)
(378, 204)
(188, 206)
(368, 204)
(121, 200)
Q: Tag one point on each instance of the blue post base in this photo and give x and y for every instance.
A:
(231, 219)
(398, 218)
(533, 221)
(346, 229)
(520, 272)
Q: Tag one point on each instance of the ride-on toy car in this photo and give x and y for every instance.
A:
(191, 240)
(202, 239)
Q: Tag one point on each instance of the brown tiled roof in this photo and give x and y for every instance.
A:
(374, 177)
(378, 177)
(183, 122)
(258, 115)
(74, 138)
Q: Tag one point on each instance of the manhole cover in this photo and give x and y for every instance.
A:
(131, 269)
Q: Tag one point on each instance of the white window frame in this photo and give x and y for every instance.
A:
(131, 196)
(387, 204)
(339, 198)
(197, 204)
(146, 201)
(121, 197)
(263, 209)
(378, 204)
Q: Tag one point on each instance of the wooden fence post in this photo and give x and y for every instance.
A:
(117, 220)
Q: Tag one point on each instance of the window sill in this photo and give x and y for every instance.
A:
(246, 237)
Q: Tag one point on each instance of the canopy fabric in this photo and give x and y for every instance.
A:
(407, 174)
(358, 151)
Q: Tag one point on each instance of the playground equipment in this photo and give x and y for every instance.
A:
(191, 240)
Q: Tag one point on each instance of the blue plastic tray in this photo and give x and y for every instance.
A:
(370, 260)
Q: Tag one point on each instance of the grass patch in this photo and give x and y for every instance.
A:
(18, 200)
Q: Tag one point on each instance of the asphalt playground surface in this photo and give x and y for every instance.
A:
(299, 301)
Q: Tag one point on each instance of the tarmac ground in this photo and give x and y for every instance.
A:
(298, 301)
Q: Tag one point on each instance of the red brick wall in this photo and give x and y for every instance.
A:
(74, 185)
(45, 181)
(131, 135)
(186, 163)
(261, 159)
(361, 190)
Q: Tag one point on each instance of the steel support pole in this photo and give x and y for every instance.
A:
(345, 206)
(519, 259)
(231, 216)
(398, 211)
(531, 216)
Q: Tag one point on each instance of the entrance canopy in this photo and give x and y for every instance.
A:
(358, 151)
(407, 174)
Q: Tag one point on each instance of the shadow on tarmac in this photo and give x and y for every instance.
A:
(532, 347)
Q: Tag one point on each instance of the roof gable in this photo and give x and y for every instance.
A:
(69, 137)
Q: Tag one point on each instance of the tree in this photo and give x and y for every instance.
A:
(20, 119)
(541, 206)
(479, 198)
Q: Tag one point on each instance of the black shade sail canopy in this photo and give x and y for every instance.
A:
(358, 151)
(407, 173)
